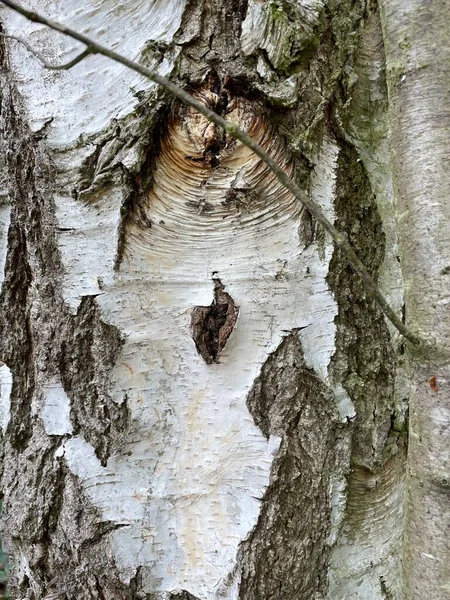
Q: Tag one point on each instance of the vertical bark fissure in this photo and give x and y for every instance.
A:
(17, 349)
(365, 365)
(364, 362)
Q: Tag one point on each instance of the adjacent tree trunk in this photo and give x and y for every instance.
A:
(197, 398)
(418, 65)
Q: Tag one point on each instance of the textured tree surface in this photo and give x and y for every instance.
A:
(198, 400)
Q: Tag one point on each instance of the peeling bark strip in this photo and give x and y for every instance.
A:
(212, 325)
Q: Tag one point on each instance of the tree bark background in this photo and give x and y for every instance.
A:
(132, 468)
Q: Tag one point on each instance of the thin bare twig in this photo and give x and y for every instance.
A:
(47, 65)
(339, 240)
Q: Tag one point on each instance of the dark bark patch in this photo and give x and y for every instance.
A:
(15, 335)
(210, 34)
(137, 585)
(183, 595)
(49, 520)
(80, 564)
(242, 198)
(89, 350)
(212, 325)
(306, 229)
(178, 595)
(17, 155)
(364, 360)
(286, 555)
(385, 590)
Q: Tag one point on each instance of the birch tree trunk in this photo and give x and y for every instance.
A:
(418, 62)
(198, 399)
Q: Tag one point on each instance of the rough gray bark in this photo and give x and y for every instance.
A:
(311, 83)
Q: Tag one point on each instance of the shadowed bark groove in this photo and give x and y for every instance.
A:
(364, 361)
(286, 556)
(369, 544)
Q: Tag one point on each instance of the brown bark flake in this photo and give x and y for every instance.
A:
(432, 383)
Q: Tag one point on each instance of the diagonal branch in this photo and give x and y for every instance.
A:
(47, 65)
(338, 238)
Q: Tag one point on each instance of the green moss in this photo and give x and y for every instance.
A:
(394, 73)
(153, 53)
(326, 86)
(405, 43)
(276, 11)
(290, 40)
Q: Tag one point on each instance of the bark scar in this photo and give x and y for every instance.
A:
(212, 325)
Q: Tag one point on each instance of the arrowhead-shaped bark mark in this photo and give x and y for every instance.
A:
(212, 325)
